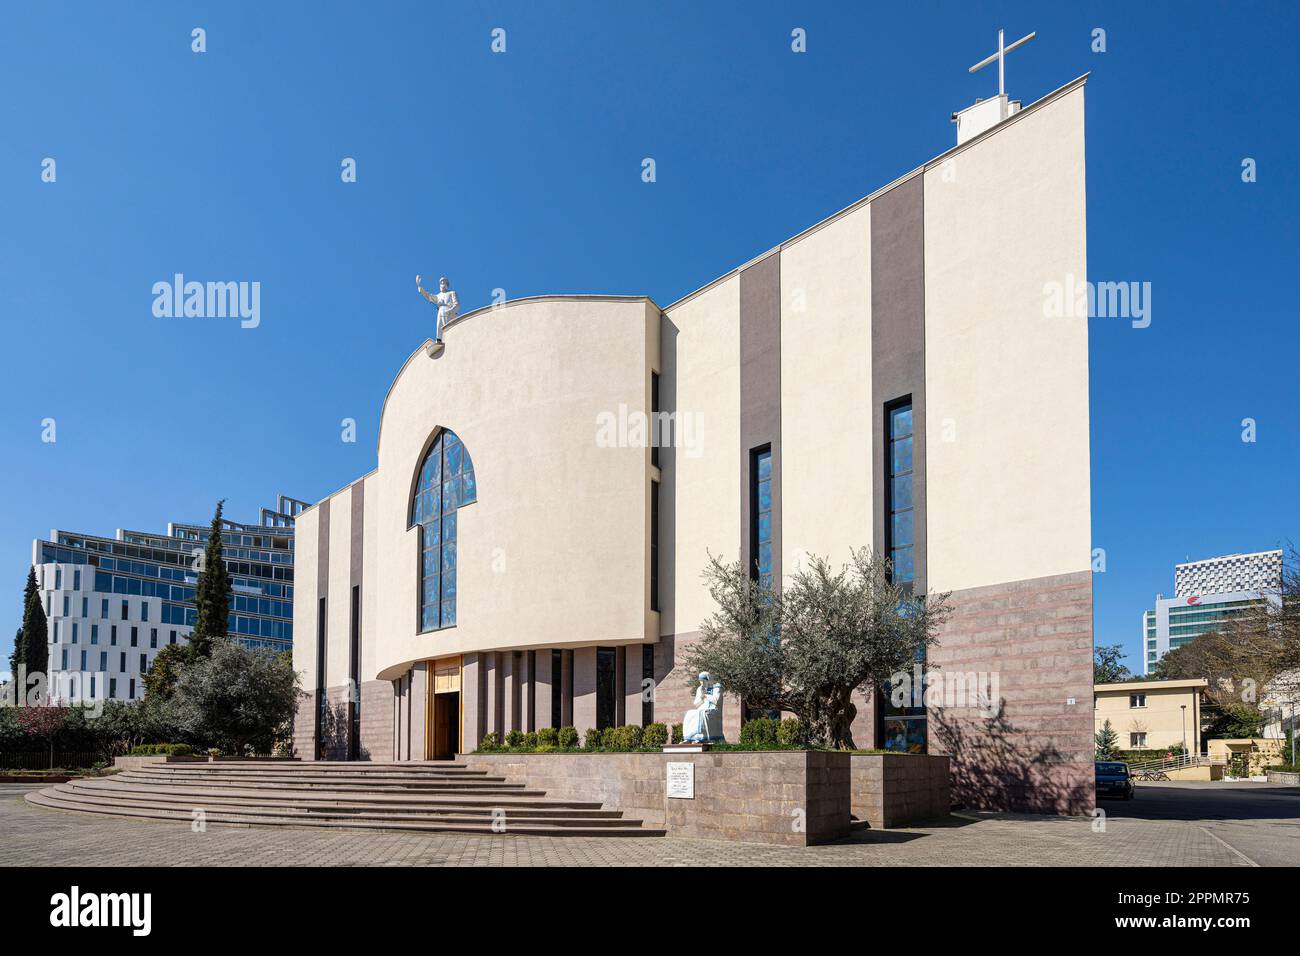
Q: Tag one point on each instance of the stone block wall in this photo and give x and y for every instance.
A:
(892, 790)
(1032, 750)
(377, 720)
(794, 798)
(304, 727)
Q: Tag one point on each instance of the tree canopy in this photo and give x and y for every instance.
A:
(807, 648)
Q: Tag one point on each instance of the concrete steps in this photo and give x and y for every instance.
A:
(430, 797)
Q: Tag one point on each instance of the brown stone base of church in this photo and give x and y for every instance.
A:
(1020, 740)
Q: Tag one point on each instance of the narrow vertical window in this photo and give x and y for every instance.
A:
(899, 526)
(760, 522)
(654, 546)
(557, 671)
(354, 671)
(655, 431)
(321, 703)
(606, 686)
(647, 674)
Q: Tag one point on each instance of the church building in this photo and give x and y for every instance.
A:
(526, 554)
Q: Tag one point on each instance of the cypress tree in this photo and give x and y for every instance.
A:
(19, 656)
(36, 649)
(211, 593)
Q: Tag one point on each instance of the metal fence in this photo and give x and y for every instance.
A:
(40, 759)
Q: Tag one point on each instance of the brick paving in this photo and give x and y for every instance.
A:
(34, 836)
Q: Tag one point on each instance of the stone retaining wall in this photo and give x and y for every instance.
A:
(1286, 779)
(795, 798)
(892, 790)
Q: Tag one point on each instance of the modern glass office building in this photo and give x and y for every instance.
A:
(1207, 594)
(113, 603)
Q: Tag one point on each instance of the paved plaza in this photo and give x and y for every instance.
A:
(1168, 825)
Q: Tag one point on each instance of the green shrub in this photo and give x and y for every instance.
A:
(759, 733)
(655, 736)
(514, 739)
(678, 733)
(567, 738)
(792, 733)
(623, 739)
(545, 749)
(161, 750)
(547, 737)
(530, 740)
(491, 741)
(592, 739)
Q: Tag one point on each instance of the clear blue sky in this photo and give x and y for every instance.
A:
(522, 171)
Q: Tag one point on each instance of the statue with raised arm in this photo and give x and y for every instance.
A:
(704, 723)
(446, 302)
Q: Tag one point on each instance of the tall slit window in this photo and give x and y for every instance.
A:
(760, 556)
(900, 528)
(446, 482)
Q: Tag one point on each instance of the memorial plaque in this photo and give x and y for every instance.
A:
(681, 781)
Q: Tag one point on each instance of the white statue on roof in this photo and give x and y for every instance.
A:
(446, 301)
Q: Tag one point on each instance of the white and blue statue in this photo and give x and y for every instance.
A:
(704, 723)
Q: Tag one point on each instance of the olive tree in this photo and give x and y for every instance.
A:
(807, 648)
(234, 697)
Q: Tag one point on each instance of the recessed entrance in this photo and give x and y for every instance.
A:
(443, 740)
(446, 725)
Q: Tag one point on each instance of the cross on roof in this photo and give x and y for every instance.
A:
(1000, 57)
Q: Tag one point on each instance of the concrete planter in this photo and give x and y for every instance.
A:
(1286, 779)
(790, 797)
(893, 790)
(795, 798)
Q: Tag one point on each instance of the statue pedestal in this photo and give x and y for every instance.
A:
(434, 349)
(690, 747)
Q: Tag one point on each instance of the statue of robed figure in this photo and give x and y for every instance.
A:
(446, 302)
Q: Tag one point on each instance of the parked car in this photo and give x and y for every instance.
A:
(1113, 779)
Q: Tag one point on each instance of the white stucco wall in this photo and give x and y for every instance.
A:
(550, 554)
(701, 354)
(1008, 496)
(826, 419)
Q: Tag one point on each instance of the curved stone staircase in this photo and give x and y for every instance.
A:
(405, 797)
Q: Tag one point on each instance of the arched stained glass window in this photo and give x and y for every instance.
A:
(446, 481)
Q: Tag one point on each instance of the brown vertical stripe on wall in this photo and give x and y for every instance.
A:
(760, 391)
(357, 553)
(898, 345)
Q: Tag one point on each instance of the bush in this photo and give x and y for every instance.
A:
(678, 733)
(491, 741)
(623, 739)
(655, 736)
(791, 732)
(567, 738)
(162, 750)
(759, 733)
(514, 739)
(530, 740)
(592, 739)
(547, 737)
